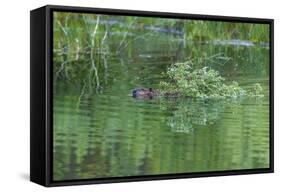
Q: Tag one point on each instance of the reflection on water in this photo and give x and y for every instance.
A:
(112, 134)
(119, 136)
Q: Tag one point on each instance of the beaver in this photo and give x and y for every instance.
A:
(144, 93)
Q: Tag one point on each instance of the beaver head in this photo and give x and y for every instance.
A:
(144, 93)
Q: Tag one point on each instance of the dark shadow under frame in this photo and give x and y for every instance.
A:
(41, 164)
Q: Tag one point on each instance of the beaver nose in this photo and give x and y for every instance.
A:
(134, 93)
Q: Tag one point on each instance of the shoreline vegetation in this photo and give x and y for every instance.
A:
(83, 43)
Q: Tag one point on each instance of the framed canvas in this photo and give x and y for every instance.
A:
(123, 95)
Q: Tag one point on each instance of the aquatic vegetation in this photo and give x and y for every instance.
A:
(189, 113)
(184, 79)
(256, 90)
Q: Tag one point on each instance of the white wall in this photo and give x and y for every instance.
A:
(14, 102)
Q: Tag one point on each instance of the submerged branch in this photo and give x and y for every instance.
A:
(136, 38)
(81, 95)
(93, 67)
(104, 37)
(60, 69)
(125, 34)
(95, 31)
(62, 28)
(92, 46)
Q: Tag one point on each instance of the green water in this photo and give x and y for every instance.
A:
(100, 131)
(111, 134)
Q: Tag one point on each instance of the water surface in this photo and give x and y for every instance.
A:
(111, 134)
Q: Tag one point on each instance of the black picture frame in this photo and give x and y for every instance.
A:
(41, 141)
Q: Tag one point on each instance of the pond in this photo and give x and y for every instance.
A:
(110, 134)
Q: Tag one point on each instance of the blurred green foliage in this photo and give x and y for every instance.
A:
(83, 42)
(218, 30)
